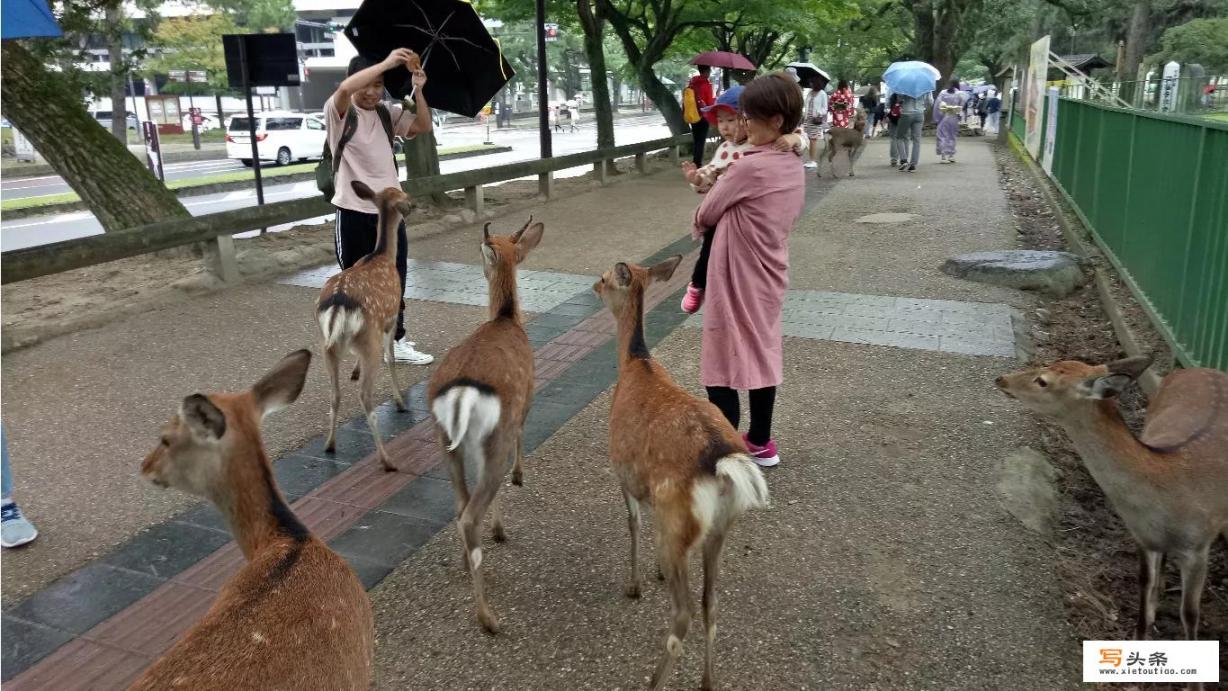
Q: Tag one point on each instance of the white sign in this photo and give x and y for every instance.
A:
(23, 147)
(1034, 94)
(1134, 662)
(1050, 132)
(1169, 87)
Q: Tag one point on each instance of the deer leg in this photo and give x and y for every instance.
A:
(677, 579)
(1150, 578)
(633, 524)
(332, 363)
(392, 373)
(517, 473)
(369, 354)
(1193, 577)
(712, 565)
(497, 533)
(456, 463)
(469, 526)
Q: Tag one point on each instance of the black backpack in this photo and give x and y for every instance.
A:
(326, 169)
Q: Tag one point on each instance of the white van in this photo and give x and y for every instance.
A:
(280, 136)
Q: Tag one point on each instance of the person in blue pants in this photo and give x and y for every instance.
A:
(15, 530)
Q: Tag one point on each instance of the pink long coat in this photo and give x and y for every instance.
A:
(753, 207)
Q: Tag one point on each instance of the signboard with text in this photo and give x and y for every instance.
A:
(1050, 131)
(1034, 95)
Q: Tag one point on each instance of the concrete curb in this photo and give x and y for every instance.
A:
(17, 170)
(66, 207)
(1078, 237)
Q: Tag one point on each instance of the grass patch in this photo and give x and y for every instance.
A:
(219, 178)
(1221, 117)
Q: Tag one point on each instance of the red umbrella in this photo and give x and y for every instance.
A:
(721, 58)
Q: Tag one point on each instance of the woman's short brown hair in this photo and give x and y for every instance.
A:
(774, 94)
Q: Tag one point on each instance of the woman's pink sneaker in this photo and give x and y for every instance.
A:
(766, 456)
(693, 300)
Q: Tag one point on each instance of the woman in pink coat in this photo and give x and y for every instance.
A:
(753, 207)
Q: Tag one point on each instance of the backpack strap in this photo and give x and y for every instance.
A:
(385, 118)
(348, 127)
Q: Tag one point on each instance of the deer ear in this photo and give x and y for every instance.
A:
(282, 385)
(360, 188)
(527, 240)
(663, 271)
(1132, 367)
(622, 273)
(1105, 386)
(205, 420)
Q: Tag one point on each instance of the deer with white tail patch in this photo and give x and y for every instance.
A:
(480, 395)
(679, 454)
(295, 616)
(1170, 486)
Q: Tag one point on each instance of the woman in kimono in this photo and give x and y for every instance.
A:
(947, 108)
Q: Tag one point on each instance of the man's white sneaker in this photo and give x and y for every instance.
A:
(404, 353)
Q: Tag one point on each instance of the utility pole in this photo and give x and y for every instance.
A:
(543, 100)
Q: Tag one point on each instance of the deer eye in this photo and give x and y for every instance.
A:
(1040, 381)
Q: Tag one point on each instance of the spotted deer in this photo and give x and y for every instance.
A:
(1170, 485)
(848, 139)
(679, 454)
(357, 311)
(295, 616)
(480, 395)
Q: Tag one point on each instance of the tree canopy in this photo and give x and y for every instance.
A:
(1202, 41)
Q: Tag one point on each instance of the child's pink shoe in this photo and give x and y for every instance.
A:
(766, 456)
(693, 300)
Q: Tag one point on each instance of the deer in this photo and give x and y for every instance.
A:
(678, 454)
(480, 395)
(357, 311)
(849, 139)
(1169, 485)
(295, 615)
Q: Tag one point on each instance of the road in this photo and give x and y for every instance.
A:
(40, 230)
(43, 185)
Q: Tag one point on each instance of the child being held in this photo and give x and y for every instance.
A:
(724, 114)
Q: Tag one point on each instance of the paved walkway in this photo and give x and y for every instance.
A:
(885, 562)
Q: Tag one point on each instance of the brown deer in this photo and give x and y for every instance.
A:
(849, 139)
(295, 616)
(679, 454)
(480, 395)
(357, 311)
(1170, 486)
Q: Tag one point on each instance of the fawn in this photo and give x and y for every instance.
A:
(679, 454)
(1170, 486)
(357, 310)
(295, 615)
(849, 139)
(480, 395)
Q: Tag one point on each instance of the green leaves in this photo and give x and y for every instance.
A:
(1202, 41)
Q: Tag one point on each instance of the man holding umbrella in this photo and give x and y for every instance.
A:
(361, 128)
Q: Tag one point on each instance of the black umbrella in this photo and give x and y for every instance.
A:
(464, 65)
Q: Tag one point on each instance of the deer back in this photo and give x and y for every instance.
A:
(1190, 414)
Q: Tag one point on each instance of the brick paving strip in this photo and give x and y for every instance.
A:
(100, 626)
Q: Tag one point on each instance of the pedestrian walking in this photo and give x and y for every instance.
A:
(15, 529)
(753, 207)
(814, 118)
(982, 110)
(895, 143)
(879, 118)
(946, 114)
(701, 87)
(994, 108)
(725, 113)
(361, 129)
(912, 121)
(843, 105)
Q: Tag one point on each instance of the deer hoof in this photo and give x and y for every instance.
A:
(489, 622)
(356, 374)
(517, 478)
(388, 466)
(497, 533)
(632, 590)
(330, 446)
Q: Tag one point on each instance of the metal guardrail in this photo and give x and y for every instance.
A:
(32, 262)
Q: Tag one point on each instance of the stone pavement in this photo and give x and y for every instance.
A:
(885, 562)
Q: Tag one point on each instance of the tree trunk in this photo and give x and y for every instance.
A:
(664, 100)
(422, 160)
(643, 60)
(115, 53)
(1135, 40)
(114, 184)
(594, 50)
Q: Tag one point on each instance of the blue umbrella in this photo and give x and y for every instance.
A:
(912, 78)
(28, 19)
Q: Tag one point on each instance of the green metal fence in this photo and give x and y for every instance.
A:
(1154, 191)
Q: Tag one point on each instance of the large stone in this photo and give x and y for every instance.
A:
(1027, 487)
(1055, 273)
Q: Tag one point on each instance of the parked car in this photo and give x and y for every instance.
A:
(104, 118)
(207, 122)
(280, 136)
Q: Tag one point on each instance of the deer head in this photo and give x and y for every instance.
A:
(509, 250)
(1067, 386)
(616, 284)
(196, 444)
(391, 199)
